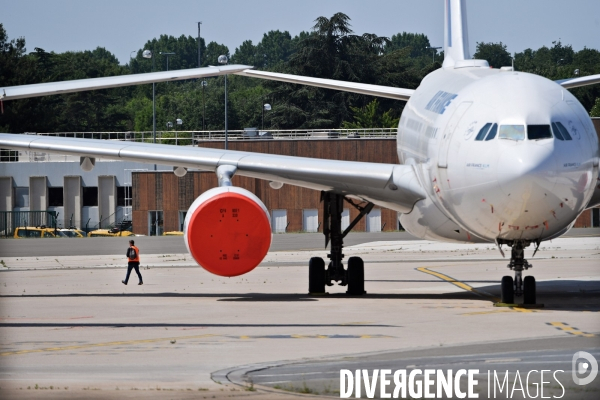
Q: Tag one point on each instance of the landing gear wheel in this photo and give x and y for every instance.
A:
(529, 290)
(356, 276)
(508, 290)
(316, 276)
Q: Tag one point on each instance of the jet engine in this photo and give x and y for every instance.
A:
(228, 231)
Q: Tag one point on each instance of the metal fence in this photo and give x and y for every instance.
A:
(9, 220)
(187, 138)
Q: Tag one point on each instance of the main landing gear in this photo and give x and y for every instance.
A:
(354, 276)
(518, 286)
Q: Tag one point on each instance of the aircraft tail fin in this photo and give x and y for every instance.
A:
(456, 38)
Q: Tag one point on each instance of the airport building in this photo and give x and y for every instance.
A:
(156, 200)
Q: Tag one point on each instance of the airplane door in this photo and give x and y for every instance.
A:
(449, 132)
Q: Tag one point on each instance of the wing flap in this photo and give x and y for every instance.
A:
(354, 87)
(392, 186)
(52, 88)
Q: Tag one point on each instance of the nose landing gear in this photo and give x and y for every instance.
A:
(518, 286)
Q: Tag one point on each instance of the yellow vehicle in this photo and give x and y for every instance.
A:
(33, 232)
(109, 233)
(76, 233)
(173, 233)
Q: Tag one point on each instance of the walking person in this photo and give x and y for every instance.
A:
(133, 262)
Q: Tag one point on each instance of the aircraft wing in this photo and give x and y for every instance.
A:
(388, 185)
(581, 81)
(50, 88)
(354, 87)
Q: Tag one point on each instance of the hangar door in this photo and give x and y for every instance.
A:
(279, 221)
(310, 220)
(374, 221)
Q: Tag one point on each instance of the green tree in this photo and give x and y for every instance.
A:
(213, 51)
(370, 117)
(418, 43)
(184, 47)
(596, 109)
(245, 54)
(494, 53)
(274, 48)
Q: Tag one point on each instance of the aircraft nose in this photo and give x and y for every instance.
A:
(527, 171)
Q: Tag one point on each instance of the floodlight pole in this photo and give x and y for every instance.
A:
(199, 46)
(223, 60)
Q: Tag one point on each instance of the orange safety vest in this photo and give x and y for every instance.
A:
(137, 255)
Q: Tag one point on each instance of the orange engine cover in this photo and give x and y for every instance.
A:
(228, 231)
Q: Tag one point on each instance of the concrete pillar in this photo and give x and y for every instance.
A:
(107, 199)
(72, 201)
(6, 193)
(38, 193)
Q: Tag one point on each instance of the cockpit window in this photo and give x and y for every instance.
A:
(512, 132)
(492, 133)
(536, 132)
(557, 133)
(483, 131)
(560, 131)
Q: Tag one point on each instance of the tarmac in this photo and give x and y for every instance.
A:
(70, 329)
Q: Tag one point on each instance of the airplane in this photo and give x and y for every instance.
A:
(486, 156)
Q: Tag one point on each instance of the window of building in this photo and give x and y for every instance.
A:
(9, 155)
(536, 132)
(55, 196)
(90, 196)
(182, 215)
(21, 197)
(595, 217)
(123, 196)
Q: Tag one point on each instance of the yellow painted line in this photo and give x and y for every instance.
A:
(106, 344)
(458, 283)
(503, 310)
(174, 339)
(570, 329)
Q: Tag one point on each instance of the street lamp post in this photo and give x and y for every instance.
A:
(203, 83)
(266, 107)
(131, 60)
(167, 54)
(149, 54)
(433, 52)
(223, 60)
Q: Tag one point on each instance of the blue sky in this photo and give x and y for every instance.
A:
(122, 26)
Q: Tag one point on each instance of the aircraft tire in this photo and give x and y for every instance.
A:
(507, 290)
(316, 276)
(529, 293)
(356, 276)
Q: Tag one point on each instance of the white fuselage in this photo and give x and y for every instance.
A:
(511, 187)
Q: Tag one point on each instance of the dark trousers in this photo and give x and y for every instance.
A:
(130, 266)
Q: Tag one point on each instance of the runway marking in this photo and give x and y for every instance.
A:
(337, 336)
(458, 283)
(503, 310)
(563, 326)
(106, 344)
(174, 339)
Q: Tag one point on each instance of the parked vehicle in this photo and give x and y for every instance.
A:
(109, 233)
(76, 233)
(34, 232)
(173, 233)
